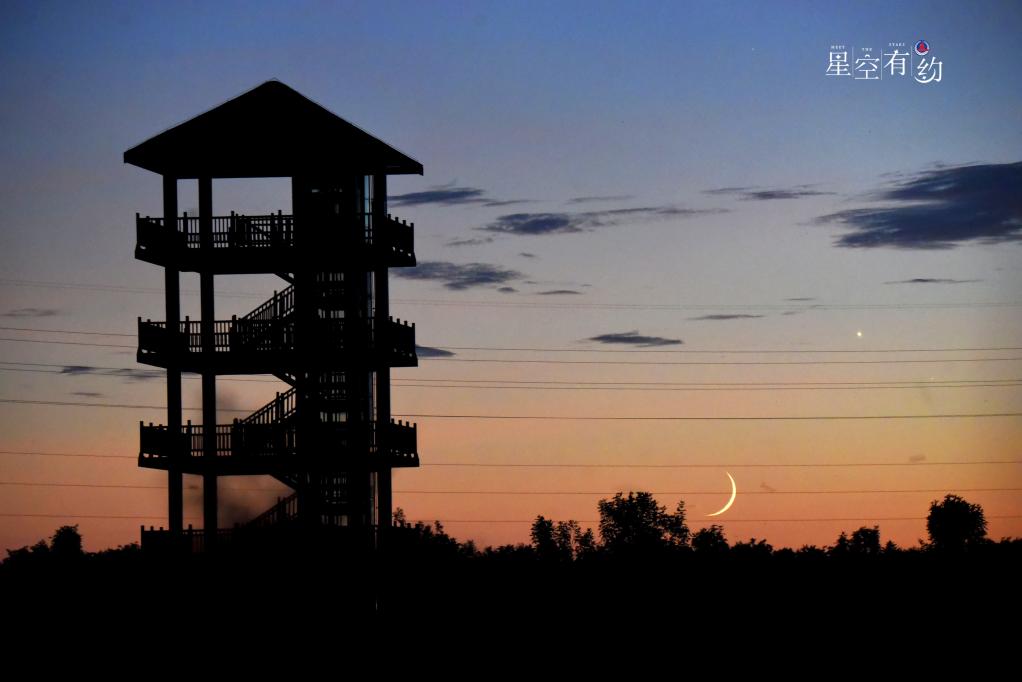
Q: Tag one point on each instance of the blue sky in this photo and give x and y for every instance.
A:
(640, 105)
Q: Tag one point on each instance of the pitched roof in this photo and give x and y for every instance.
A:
(269, 131)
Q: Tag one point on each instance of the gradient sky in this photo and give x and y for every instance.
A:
(804, 209)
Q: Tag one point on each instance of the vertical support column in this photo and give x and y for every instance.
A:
(381, 298)
(304, 243)
(172, 293)
(206, 329)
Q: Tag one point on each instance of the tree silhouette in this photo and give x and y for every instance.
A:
(562, 541)
(66, 543)
(638, 525)
(710, 541)
(955, 525)
(865, 542)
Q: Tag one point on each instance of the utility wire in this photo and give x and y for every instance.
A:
(410, 381)
(547, 304)
(51, 484)
(615, 350)
(722, 465)
(69, 403)
(598, 362)
(530, 521)
(865, 386)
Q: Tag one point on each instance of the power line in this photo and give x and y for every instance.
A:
(410, 381)
(674, 418)
(66, 454)
(721, 465)
(594, 362)
(921, 382)
(479, 387)
(71, 343)
(686, 389)
(524, 520)
(620, 382)
(728, 350)
(598, 362)
(69, 403)
(616, 350)
(49, 484)
(547, 304)
(67, 331)
(706, 363)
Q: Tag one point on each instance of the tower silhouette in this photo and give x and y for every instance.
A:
(327, 334)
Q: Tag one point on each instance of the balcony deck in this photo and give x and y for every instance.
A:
(251, 449)
(270, 243)
(267, 346)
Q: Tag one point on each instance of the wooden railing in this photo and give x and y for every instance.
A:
(281, 304)
(251, 440)
(233, 231)
(275, 411)
(402, 438)
(262, 231)
(398, 237)
(243, 335)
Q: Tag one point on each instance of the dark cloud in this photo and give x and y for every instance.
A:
(634, 338)
(933, 280)
(507, 290)
(87, 394)
(444, 195)
(940, 208)
(725, 317)
(526, 254)
(449, 195)
(469, 241)
(459, 276)
(801, 298)
(917, 458)
(32, 312)
(609, 197)
(558, 292)
(764, 194)
(566, 223)
(430, 352)
(124, 372)
(767, 488)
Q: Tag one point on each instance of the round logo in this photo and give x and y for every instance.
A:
(922, 47)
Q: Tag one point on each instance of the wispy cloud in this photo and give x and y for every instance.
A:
(583, 221)
(430, 352)
(32, 312)
(593, 199)
(916, 458)
(939, 208)
(507, 290)
(933, 280)
(526, 254)
(87, 394)
(450, 195)
(801, 298)
(469, 241)
(124, 372)
(460, 276)
(727, 316)
(634, 338)
(558, 292)
(768, 194)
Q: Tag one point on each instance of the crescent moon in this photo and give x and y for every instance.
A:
(734, 494)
